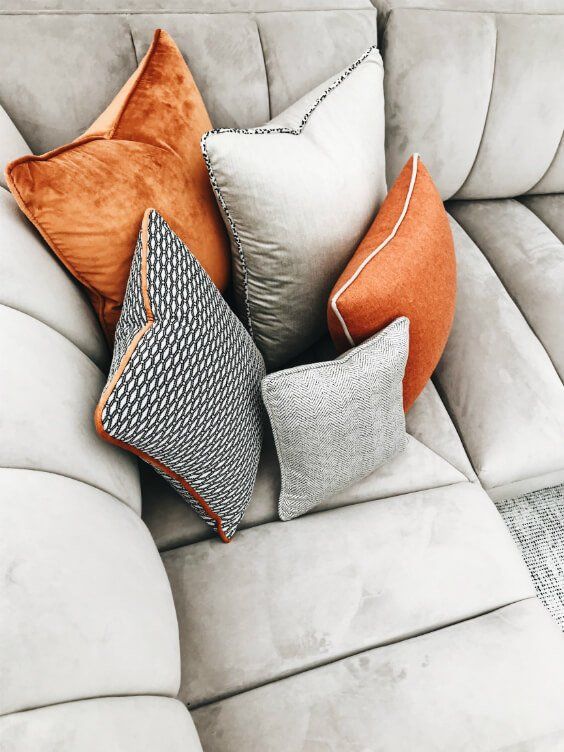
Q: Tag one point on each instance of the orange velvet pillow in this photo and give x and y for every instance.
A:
(404, 266)
(88, 198)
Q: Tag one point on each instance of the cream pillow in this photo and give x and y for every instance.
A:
(297, 196)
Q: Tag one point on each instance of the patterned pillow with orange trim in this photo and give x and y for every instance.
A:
(183, 391)
(404, 266)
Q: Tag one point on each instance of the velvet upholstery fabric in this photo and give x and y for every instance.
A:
(493, 127)
(33, 282)
(86, 606)
(484, 684)
(510, 412)
(529, 260)
(488, 681)
(51, 428)
(12, 143)
(87, 198)
(404, 266)
(114, 724)
(305, 607)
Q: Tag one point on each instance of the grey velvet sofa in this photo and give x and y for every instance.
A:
(399, 616)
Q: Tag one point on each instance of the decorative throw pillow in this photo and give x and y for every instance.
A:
(335, 422)
(87, 198)
(404, 266)
(298, 195)
(184, 386)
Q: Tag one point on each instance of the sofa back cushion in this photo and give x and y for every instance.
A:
(477, 93)
(249, 66)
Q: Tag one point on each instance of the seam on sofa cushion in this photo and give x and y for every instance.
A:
(345, 657)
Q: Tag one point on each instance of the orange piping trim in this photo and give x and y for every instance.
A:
(109, 388)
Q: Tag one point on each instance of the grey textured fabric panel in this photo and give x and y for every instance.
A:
(286, 186)
(33, 282)
(536, 523)
(284, 597)
(49, 391)
(492, 127)
(336, 422)
(529, 260)
(492, 683)
(497, 380)
(550, 209)
(120, 724)
(86, 606)
(12, 144)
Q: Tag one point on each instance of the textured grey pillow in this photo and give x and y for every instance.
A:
(336, 422)
(297, 196)
(183, 391)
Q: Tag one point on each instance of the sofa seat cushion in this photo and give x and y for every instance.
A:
(490, 683)
(287, 596)
(86, 606)
(114, 724)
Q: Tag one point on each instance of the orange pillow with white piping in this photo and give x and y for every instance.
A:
(404, 266)
(87, 198)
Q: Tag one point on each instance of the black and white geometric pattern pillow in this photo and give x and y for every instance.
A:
(183, 391)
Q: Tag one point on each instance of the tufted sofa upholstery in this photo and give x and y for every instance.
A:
(399, 615)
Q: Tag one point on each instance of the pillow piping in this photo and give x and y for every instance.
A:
(263, 131)
(368, 259)
(110, 386)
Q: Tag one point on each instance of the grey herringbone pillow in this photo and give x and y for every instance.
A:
(336, 422)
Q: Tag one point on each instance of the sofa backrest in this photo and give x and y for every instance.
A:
(478, 93)
(62, 65)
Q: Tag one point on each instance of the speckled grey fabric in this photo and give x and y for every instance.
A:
(536, 522)
(335, 422)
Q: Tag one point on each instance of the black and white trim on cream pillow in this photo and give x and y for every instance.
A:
(336, 422)
(183, 391)
(297, 195)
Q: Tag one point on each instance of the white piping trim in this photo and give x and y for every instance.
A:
(369, 258)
